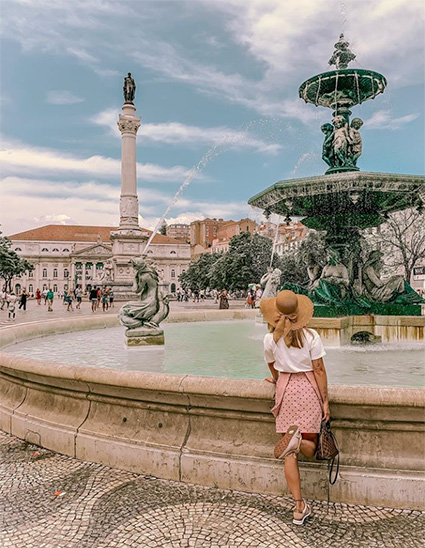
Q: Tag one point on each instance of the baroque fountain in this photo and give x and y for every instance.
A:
(196, 409)
(345, 201)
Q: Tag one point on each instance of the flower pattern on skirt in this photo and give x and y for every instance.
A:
(300, 406)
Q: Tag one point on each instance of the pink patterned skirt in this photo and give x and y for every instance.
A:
(300, 403)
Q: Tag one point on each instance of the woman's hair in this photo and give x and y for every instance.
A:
(294, 338)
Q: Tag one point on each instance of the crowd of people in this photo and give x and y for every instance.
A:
(97, 296)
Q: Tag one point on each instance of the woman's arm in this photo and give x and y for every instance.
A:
(275, 374)
(322, 382)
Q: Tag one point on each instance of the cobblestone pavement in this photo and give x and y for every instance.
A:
(49, 500)
(36, 313)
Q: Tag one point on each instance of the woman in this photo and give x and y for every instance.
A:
(223, 300)
(294, 355)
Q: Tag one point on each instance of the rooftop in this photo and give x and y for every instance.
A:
(78, 233)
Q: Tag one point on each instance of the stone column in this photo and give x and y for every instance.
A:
(128, 124)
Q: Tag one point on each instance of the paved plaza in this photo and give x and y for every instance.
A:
(36, 313)
(49, 500)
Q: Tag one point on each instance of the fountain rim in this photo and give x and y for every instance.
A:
(76, 376)
(343, 73)
(365, 177)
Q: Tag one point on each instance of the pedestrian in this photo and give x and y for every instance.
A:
(3, 298)
(65, 297)
(12, 300)
(111, 298)
(93, 298)
(105, 299)
(99, 296)
(69, 300)
(49, 298)
(78, 297)
(258, 295)
(202, 295)
(294, 355)
(223, 300)
(44, 295)
(23, 300)
(38, 296)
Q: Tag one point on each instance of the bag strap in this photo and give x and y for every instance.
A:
(330, 468)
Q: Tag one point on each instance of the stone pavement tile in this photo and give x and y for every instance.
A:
(103, 507)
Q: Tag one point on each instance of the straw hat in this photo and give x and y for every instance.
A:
(286, 312)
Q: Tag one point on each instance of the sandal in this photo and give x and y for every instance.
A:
(289, 444)
(300, 517)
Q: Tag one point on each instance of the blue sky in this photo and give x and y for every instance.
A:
(208, 73)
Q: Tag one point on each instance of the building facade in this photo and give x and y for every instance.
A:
(65, 256)
(179, 231)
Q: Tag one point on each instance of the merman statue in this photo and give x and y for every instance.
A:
(152, 308)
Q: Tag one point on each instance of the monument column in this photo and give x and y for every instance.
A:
(128, 125)
(128, 241)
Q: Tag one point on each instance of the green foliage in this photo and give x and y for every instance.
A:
(245, 262)
(197, 276)
(163, 229)
(11, 264)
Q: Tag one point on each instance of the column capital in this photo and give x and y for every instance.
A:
(129, 125)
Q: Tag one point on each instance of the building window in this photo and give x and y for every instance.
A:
(44, 250)
(150, 252)
(173, 253)
(55, 250)
(65, 287)
(65, 250)
(31, 288)
(173, 273)
(31, 274)
(65, 273)
(44, 272)
(55, 288)
(55, 272)
(18, 249)
(44, 286)
(173, 288)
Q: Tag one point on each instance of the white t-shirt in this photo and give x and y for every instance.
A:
(294, 360)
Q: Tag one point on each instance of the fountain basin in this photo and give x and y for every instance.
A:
(191, 429)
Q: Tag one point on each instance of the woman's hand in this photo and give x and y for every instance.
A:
(326, 411)
(270, 379)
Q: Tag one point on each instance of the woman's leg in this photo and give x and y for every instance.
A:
(292, 472)
(292, 476)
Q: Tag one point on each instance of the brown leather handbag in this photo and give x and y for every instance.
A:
(327, 449)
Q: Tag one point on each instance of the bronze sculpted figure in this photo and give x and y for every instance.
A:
(342, 54)
(129, 88)
(152, 307)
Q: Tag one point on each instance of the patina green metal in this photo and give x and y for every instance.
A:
(345, 201)
(340, 90)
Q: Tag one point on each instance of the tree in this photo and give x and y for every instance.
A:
(245, 262)
(11, 264)
(163, 229)
(197, 276)
(402, 240)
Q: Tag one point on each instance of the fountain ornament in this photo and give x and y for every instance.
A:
(340, 90)
(142, 317)
(344, 201)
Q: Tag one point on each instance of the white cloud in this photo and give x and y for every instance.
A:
(41, 201)
(383, 119)
(23, 159)
(63, 97)
(175, 133)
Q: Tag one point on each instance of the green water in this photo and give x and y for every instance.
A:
(224, 349)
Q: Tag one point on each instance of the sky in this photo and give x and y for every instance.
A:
(216, 79)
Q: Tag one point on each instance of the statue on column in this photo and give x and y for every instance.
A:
(129, 88)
